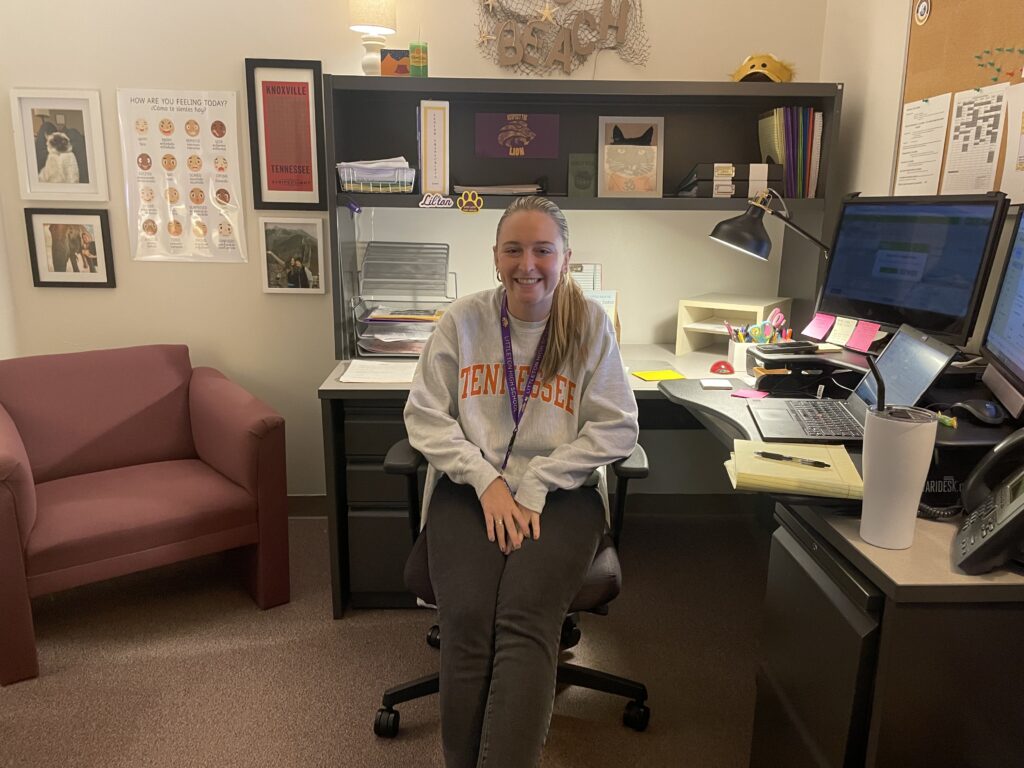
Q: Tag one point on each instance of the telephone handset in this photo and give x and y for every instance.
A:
(993, 498)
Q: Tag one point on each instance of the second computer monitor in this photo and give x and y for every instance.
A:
(916, 260)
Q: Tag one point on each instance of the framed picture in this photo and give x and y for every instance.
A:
(631, 156)
(286, 133)
(293, 255)
(69, 248)
(58, 141)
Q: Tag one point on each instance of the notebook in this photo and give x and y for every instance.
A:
(748, 472)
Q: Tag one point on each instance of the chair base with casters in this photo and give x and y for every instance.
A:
(600, 586)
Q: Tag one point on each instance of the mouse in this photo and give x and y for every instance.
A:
(983, 411)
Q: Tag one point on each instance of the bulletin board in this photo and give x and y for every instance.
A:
(965, 44)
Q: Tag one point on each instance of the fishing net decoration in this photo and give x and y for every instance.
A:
(497, 19)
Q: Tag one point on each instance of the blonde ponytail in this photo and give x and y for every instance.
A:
(568, 326)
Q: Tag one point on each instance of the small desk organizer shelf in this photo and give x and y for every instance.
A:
(403, 291)
(701, 320)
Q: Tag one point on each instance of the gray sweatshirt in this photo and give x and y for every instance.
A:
(458, 414)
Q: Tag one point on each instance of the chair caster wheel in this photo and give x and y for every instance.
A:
(571, 636)
(636, 716)
(434, 637)
(385, 724)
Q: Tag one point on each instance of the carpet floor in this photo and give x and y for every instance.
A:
(176, 666)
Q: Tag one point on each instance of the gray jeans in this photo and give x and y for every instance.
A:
(500, 620)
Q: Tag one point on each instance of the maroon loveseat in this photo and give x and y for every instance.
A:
(114, 461)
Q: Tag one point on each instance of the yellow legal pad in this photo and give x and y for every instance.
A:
(748, 472)
(665, 375)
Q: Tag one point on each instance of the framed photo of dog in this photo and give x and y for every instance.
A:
(631, 156)
(69, 248)
(59, 144)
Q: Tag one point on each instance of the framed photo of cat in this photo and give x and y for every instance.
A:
(630, 156)
(58, 141)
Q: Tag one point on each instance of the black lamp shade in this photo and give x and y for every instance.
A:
(745, 233)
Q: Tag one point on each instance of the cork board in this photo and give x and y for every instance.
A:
(964, 44)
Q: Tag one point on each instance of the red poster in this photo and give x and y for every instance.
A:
(288, 150)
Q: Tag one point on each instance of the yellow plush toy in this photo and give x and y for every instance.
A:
(763, 67)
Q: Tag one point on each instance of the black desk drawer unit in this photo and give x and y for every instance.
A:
(818, 652)
(379, 540)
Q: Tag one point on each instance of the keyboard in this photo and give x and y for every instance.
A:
(824, 418)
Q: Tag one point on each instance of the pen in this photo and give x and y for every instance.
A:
(797, 459)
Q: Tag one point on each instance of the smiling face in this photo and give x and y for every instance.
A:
(530, 257)
(166, 127)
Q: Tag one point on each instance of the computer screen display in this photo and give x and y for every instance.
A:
(920, 261)
(1004, 339)
(908, 366)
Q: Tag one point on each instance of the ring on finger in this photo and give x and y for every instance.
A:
(499, 522)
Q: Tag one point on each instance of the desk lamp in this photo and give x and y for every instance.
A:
(375, 19)
(746, 232)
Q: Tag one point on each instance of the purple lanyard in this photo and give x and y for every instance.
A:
(510, 376)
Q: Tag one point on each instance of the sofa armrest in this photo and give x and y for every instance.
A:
(17, 486)
(231, 428)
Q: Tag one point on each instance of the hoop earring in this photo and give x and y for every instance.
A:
(497, 275)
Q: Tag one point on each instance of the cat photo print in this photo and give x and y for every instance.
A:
(631, 155)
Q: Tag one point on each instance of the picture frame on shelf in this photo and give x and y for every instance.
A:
(58, 143)
(286, 134)
(293, 257)
(69, 248)
(631, 156)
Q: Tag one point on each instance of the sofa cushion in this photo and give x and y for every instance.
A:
(89, 411)
(86, 518)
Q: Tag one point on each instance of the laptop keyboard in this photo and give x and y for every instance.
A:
(824, 419)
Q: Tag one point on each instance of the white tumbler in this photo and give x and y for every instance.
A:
(898, 444)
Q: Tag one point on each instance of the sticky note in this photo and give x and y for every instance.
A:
(841, 330)
(665, 375)
(749, 394)
(819, 326)
(862, 335)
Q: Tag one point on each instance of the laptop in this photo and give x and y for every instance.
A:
(909, 365)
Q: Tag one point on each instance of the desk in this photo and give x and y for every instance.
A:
(367, 516)
(873, 657)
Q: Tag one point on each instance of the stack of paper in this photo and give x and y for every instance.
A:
(749, 472)
(391, 174)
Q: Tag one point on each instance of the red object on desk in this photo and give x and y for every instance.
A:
(722, 366)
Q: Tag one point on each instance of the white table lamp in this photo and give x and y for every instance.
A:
(375, 19)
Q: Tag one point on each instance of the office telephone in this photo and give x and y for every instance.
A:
(993, 529)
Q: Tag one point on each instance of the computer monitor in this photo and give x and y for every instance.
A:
(1003, 345)
(922, 261)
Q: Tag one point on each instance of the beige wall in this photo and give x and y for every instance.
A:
(7, 346)
(281, 347)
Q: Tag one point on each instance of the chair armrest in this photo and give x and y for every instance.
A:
(230, 427)
(403, 459)
(17, 486)
(633, 466)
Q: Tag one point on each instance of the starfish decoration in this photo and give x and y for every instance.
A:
(547, 13)
(490, 5)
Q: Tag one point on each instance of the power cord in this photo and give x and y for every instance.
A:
(928, 512)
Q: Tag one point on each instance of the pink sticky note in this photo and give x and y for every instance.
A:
(862, 335)
(749, 394)
(819, 326)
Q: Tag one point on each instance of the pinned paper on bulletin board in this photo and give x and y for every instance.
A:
(819, 326)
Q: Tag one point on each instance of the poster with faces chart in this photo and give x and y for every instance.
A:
(182, 177)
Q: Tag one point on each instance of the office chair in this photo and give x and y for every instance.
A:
(600, 586)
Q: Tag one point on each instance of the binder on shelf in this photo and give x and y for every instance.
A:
(792, 136)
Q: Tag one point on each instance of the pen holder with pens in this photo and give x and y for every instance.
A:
(738, 354)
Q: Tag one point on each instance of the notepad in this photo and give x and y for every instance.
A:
(748, 472)
(667, 374)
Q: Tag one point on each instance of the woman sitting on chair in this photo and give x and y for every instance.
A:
(496, 465)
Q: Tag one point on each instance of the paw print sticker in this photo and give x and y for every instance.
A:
(470, 202)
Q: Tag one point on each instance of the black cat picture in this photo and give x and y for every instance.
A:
(631, 167)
